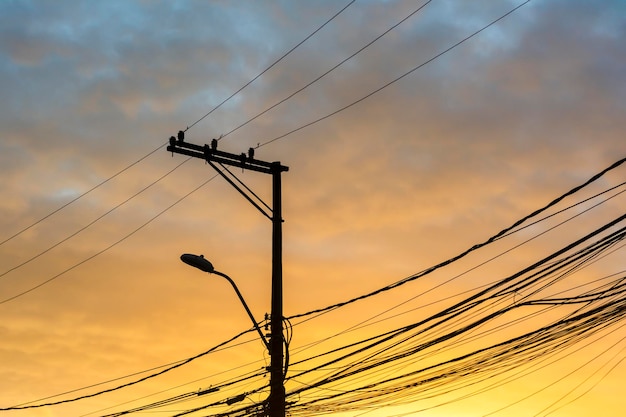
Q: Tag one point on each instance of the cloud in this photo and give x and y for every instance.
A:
(417, 172)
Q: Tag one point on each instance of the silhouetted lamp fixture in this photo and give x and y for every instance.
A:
(198, 261)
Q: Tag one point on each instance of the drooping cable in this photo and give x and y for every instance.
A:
(379, 89)
(176, 365)
(531, 346)
(106, 249)
(271, 66)
(83, 228)
(471, 249)
(328, 71)
(100, 184)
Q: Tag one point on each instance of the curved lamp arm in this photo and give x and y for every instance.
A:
(198, 261)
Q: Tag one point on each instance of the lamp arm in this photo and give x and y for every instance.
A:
(243, 302)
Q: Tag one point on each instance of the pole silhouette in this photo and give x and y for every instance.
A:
(210, 153)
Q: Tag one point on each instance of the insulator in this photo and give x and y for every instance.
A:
(181, 136)
(238, 398)
(251, 153)
(207, 391)
(214, 144)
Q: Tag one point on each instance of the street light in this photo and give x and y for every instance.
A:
(213, 156)
(198, 261)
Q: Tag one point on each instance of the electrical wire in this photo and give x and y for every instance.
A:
(183, 397)
(379, 89)
(496, 361)
(564, 263)
(570, 373)
(595, 177)
(83, 228)
(21, 231)
(590, 388)
(538, 365)
(153, 375)
(605, 244)
(328, 71)
(106, 249)
(434, 287)
(100, 184)
(566, 300)
(577, 325)
(124, 170)
(492, 239)
(168, 367)
(450, 48)
(271, 66)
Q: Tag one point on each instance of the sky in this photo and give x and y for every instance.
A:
(413, 130)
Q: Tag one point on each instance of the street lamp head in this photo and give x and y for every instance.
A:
(197, 261)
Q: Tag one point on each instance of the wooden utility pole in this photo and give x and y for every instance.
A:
(209, 153)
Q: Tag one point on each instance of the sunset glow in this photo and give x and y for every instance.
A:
(453, 235)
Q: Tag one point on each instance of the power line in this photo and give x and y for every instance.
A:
(330, 70)
(396, 79)
(492, 239)
(610, 294)
(566, 264)
(492, 258)
(611, 369)
(454, 309)
(82, 229)
(539, 364)
(328, 21)
(199, 392)
(194, 190)
(207, 114)
(100, 252)
(188, 127)
(260, 74)
(517, 350)
(186, 396)
(297, 129)
(81, 195)
(169, 368)
(594, 358)
(271, 66)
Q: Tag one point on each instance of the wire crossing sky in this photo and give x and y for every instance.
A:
(413, 132)
(160, 147)
(231, 96)
(587, 298)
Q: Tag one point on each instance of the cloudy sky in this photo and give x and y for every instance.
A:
(410, 134)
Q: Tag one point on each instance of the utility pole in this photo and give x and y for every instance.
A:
(276, 400)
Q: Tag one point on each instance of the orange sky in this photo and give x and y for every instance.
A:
(94, 296)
